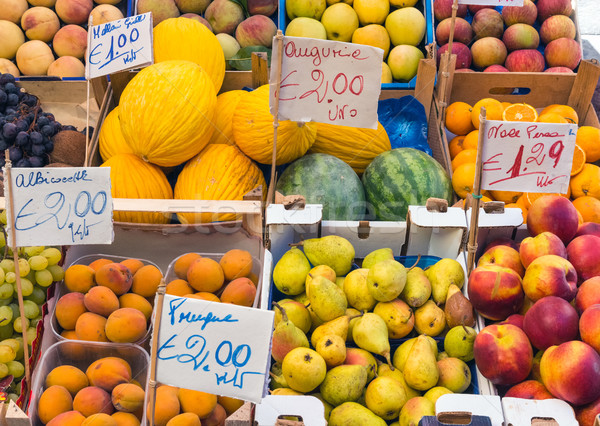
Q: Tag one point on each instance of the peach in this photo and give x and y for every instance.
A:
(257, 30)
(101, 300)
(104, 13)
(504, 256)
(68, 418)
(6, 66)
(92, 400)
(540, 245)
(115, 276)
(100, 419)
(217, 417)
(74, 11)
(69, 308)
(550, 275)
(589, 326)
(583, 252)
(502, 242)
(495, 292)
(515, 319)
(503, 354)
(526, 60)
(128, 397)
(563, 52)
(131, 300)
(529, 389)
(571, 371)
(588, 294)
(179, 287)
(205, 274)
(91, 327)
(161, 9)
(54, 401)
(586, 415)
(96, 264)
(236, 264)
(66, 66)
(166, 405)
(13, 10)
(132, 264)
(199, 19)
(40, 23)
(183, 262)
(224, 16)
(588, 228)
(108, 372)
(199, 403)
(185, 419)
(555, 214)
(126, 325)
(231, 405)
(68, 376)
(79, 278)
(240, 291)
(125, 419)
(146, 281)
(45, 3)
(551, 321)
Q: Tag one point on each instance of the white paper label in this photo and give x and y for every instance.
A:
(493, 2)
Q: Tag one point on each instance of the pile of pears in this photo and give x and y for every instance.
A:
(361, 339)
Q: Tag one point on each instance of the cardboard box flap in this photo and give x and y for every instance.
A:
(520, 412)
(308, 408)
(276, 214)
(477, 405)
(368, 236)
(456, 418)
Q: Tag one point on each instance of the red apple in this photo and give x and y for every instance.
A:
(588, 294)
(495, 292)
(589, 326)
(487, 23)
(462, 52)
(526, 60)
(503, 354)
(529, 389)
(540, 245)
(571, 371)
(547, 8)
(586, 415)
(552, 213)
(588, 228)
(564, 70)
(504, 256)
(550, 275)
(521, 36)
(584, 254)
(525, 14)
(474, 8)
(563, 52)
(514, 319)
(262, 7)
(503, 242)
(551, 321)
(488, 51)
(495, 68)
(257, 30)
(442, 9)
(462, 31)
(557, 26)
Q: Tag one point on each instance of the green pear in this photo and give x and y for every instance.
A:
(435, 392)
(443, 273)
(354, 314)
(354, 414)
(430, 319)
(327, 300)
(358, 356)
(332, 250)
(377, 256)
(398, 317)
(421, 370)
(286, 337)
(459, 342)
(338, 327)
(415, 409)
(339, 281)
(343, 383)
(458, 309)
(454, 374)
(401, 353)
(296, 312)
(385, 397)
(277, 379)
(327, 405)
(323, 271)
(303, 369)
(357, 291)
(441, 355)
(289, 274)
(386, 280)
(370, 333)
(417, 289)
(384, 370)
(333, 350)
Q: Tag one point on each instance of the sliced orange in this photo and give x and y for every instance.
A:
(579, 159)
(456, 145)
(588, 207)
(493, 109)
(586, 182)
(463, 179)
(530, 197)
(551, 117)
(458, 118)
(465, 156)
(564, 111)
(519, 112)
(588, 138)
(471, 140)
(509, 197)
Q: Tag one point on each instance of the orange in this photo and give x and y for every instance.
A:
(458, 118)
(519, 112)
(505, 104)
(456, 145)
(586, 182)
(579, 159)
(530, 197)
(509, 197)
(463, 179)
(588, 138)
(551, 117)
(493, 110)
(471, 140)
(517, 206)
(466, 156)
(522, 203)
(588, 207)
(564, 111)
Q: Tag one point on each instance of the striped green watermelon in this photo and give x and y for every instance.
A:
(325, 179)
(401, 177)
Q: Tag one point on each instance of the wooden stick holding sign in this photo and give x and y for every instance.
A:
(447, 66)
(278, 39)
(87, 108)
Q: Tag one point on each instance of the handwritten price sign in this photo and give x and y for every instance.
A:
(214, 347)
(328, 81)
(493, 2)
(528, 157)
(61, 206)
(119, 45)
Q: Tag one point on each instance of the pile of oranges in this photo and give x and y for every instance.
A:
(462, 120)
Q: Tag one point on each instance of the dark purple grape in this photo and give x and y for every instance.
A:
(38, 149)
(36, 161)
(22, 139)
(23, 162)
(49, 146)
(12, 100)
(9, 131)
(50, 116)
(3, 146)
(10, 111)
(69, 127)
(36, 138)
(57, 127)
(3, 97)
(15, 153)
(11, 88)
(7, 78)
(47, 130)
(2, 161)
(29, 100)
(22, 125)
(42, 121)
(90, 129)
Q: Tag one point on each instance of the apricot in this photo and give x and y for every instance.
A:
(71, 40)
(115, 276)
(205, 274)
(146, 280)
(125, 419)
(108, 372)
(54, 401)
(40, 23)
(91, 326)
(182, 264)
(100, 419)
(236, 263)
(79, 278)
(231, 405)
(96, 264)
(216, 418)
(74, 11)
(166, 405)
(67, 66)
(68, 376)
(185, 419)
(240, 291)
(199, 403)
(131, 300)
(105, 13)
(125, 325)
(92, 400)
(69, 308)
(68, 418)
(128, 397)
(101, 300)
(179, 287)
(204, 295)
(132, 264)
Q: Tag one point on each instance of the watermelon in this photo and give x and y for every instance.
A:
(327, 180)
(401, 177)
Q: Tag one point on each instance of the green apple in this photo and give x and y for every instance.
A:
(404, 61)
(340, 22)
(307, 8)
(405, 26)
(386, 73)
(306, 27)
(371, 11)
(229, 44)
